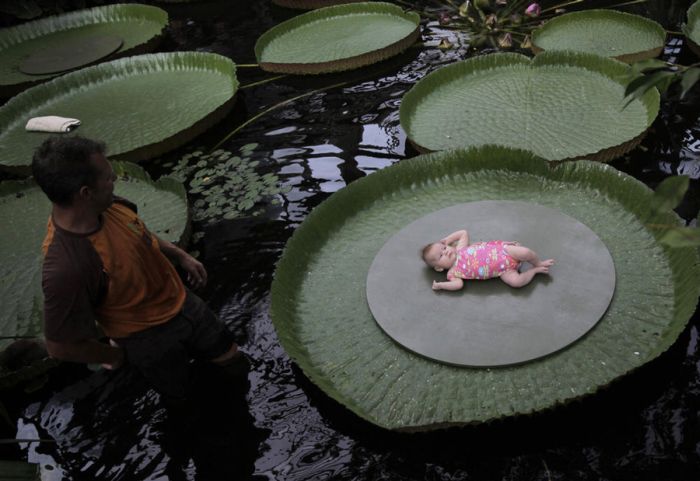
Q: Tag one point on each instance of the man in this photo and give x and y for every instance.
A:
(102, 264)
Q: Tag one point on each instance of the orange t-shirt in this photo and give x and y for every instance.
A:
(116, 275)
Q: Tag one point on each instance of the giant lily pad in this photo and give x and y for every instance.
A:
(337, 38)
(626, 37)
(559, 105)
(323, 321)
(25, 211)
(140, 27)
(140, 106)
(692, 28)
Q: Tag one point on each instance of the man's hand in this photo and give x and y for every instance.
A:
(120, 358)
(196, 273)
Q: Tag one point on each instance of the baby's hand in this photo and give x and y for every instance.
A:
(436, 286)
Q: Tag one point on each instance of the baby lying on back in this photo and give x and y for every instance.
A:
(481, 260)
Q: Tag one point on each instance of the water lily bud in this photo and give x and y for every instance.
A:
(533, 10)
(464, 8)
(505, 41)
(444, 19)
(501, 2)
(526, 43)
(491, 19)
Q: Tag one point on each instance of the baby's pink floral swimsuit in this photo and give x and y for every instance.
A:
(483, 260)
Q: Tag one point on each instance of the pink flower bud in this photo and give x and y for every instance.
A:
(533, 10)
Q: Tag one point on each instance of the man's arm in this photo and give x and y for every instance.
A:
(87, 351)
(196, 273)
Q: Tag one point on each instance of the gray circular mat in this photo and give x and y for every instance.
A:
(70, 55)
(489, 323)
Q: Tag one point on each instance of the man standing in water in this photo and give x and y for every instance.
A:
(102, 264)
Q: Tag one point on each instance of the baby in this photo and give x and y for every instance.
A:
(482, 260)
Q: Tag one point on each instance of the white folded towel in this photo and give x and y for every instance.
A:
(51, 123)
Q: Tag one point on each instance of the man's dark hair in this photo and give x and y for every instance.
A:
(62, 165)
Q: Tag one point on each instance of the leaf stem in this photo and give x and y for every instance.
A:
(263, 81)
(4, 338)
(565, 4)
(247, 65)
(13, 441)
(274, 107)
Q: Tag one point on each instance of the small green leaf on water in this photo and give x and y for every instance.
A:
(670, 192)
(678, 237)
(689, 79)
(249, 147)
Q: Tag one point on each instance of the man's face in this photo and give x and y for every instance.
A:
(102, 192)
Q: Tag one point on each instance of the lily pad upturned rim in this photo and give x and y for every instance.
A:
(693, 19)
(349, 63)
(614, 15)
(76, 19)
(18, 106)
(428, 172)
(311, 4)
(613, 69)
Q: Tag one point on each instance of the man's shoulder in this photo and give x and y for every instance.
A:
(120, 202)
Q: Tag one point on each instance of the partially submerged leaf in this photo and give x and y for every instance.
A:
(689, 78)
(670, 192)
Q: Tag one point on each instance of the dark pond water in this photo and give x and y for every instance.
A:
(112, 426)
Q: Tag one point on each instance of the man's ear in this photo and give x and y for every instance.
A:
(84, 192)
(439, 269)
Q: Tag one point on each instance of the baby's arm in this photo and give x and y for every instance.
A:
(460, 236)
(453, 285)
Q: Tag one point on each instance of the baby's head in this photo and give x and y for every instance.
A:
(439, 255)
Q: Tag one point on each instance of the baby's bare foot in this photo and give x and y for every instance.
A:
(541, 269)
(546, 263)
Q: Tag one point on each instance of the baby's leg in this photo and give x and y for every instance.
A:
(524, 254)
(519, 279)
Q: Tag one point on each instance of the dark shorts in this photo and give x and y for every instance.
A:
(163, 353)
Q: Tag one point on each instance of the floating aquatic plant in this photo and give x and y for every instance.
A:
(224, 185)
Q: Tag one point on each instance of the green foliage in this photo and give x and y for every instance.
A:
(677, 237)
(650, 74)
(225, 186)
(670, 192)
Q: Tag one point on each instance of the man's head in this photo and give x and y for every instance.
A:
(439, 255)
(74, 169)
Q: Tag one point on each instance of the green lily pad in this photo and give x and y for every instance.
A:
(25, 210)
(692, 28)
(321, 315)
(140, 26)
(311, 4)
(337, 38)
(623, 36)
(559, 105)
(140, 106)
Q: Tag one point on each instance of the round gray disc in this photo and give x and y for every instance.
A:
(489, 323)
(70, 55)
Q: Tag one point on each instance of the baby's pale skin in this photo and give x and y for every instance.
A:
(441, 256)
